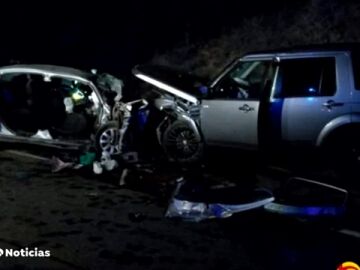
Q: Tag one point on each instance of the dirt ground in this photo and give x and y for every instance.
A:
(92, 223)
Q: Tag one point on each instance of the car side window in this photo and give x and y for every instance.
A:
(309, 77)
(76, 96)
(244, 81)
(17, 89)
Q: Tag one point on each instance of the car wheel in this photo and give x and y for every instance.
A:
(107, 139)
(182, 143)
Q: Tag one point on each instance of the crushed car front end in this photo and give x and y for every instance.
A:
(179, 131)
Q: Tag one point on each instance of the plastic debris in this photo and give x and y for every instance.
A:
(97, 168)
(188, 207)
(307, 198)
(190, 211)
(123, 176)
(107, 162)
(78, 166)
(42, 134)
(87, 158)
(109, 165)
(58, 165)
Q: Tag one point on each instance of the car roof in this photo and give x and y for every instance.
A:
(330, 47)
(53, 69)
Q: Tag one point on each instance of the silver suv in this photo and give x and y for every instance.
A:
(300, 96)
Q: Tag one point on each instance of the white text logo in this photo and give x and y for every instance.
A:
(24, 252)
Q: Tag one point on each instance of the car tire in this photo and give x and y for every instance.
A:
(107, 139)
(182, 143)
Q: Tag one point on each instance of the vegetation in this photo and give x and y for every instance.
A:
(317, 22)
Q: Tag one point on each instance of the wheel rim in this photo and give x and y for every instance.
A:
(182, 143)
(109, 141)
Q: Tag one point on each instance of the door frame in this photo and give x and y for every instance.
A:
(263, 97)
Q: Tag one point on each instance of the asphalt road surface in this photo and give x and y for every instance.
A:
(92, 223)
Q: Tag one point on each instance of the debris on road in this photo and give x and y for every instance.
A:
(87, 158)
(307, 198)
(93, 194)
(193, 202)
(97, 168)
(106, 162)
(58, 165)
(123, 176)
(136, 217)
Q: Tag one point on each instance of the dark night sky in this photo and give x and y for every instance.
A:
(115, 36)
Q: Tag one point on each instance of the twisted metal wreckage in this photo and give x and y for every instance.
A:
(71, 110)
(63, 109)
(67, 109)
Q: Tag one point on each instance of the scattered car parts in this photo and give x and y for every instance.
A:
(308, 198)
(192, 202)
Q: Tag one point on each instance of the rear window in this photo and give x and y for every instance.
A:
(308, 77)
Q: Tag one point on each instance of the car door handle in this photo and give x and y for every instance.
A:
(246, 108)
(331, 103)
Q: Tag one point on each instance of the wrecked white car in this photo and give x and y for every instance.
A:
(59, 107)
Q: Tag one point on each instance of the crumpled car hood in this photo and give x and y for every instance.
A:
(177, 83)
